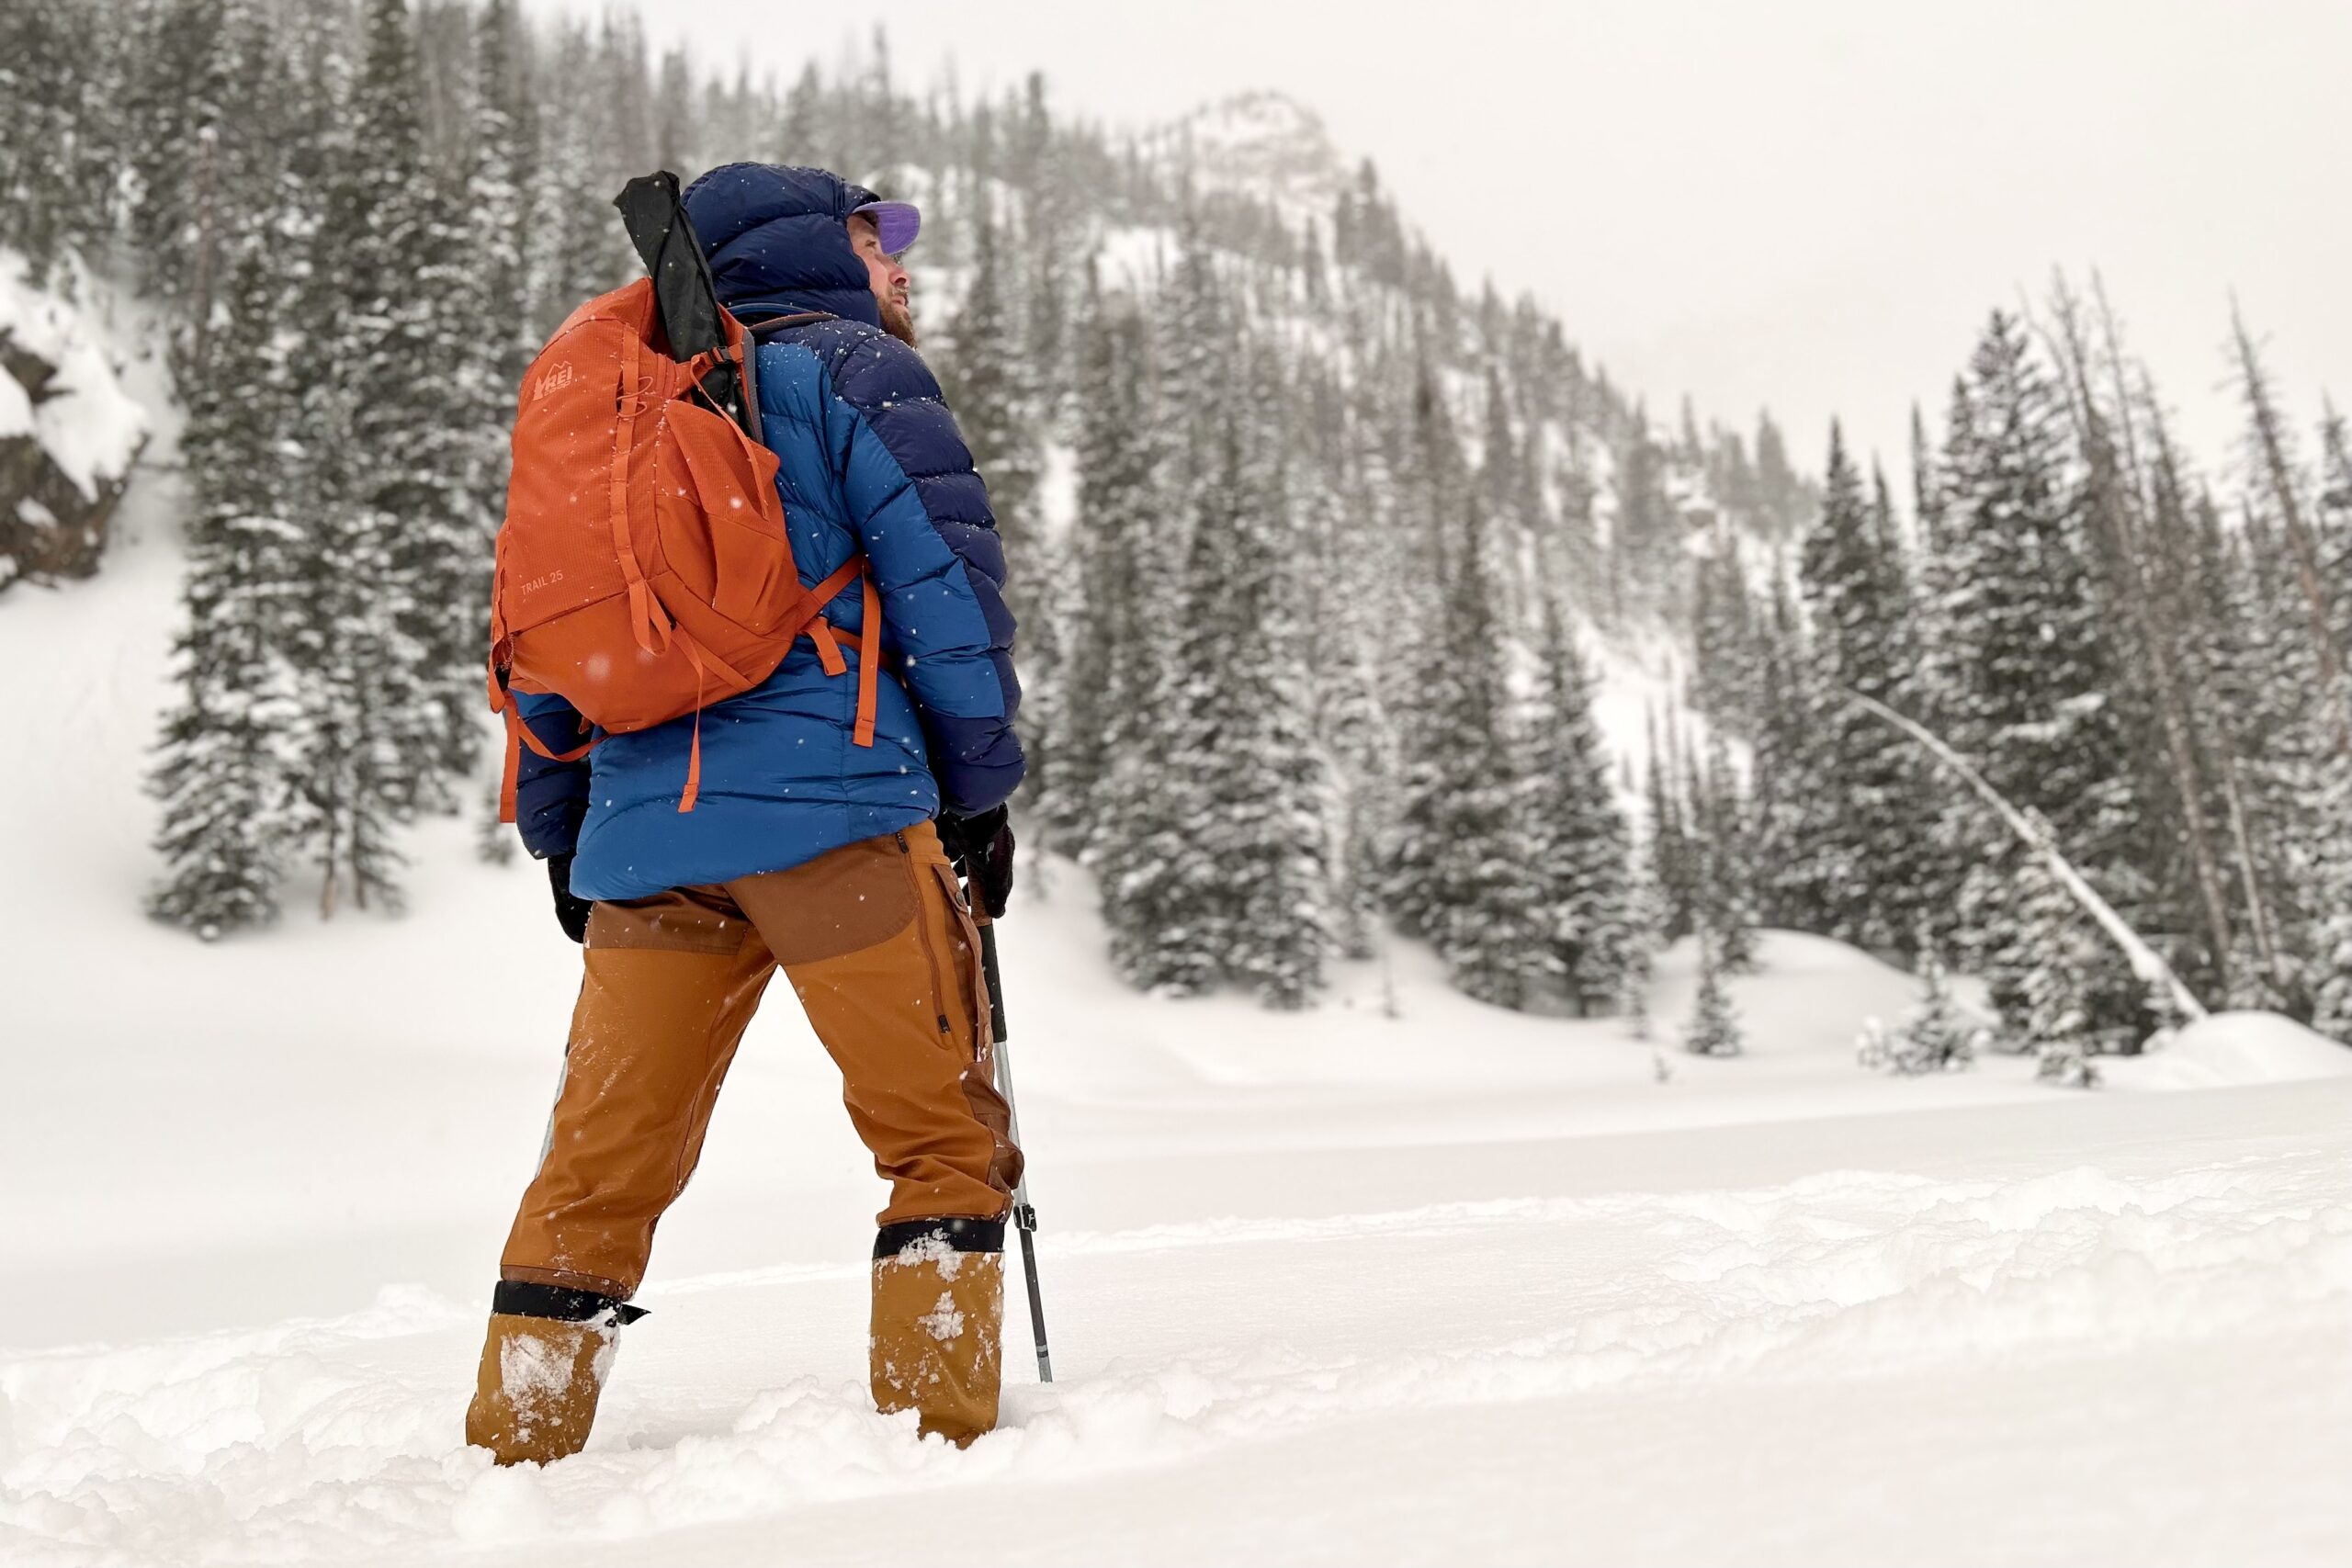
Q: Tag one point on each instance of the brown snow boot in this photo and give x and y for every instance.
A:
(938, 1316)
(542, 1370)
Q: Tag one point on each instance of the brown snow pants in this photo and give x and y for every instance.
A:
(879, 942)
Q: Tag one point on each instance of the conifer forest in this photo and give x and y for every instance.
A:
(1322, 557)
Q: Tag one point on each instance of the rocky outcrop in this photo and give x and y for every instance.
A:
(68, 435)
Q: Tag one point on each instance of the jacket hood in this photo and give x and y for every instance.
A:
(778, 241)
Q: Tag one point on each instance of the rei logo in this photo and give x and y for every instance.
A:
(555, 379)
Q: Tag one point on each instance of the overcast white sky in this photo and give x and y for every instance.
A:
(1809, 204)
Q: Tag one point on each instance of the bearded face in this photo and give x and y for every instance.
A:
(892, 288)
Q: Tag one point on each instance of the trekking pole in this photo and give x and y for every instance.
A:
(1025, 1217)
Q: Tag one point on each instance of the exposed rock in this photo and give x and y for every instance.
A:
(68, 435)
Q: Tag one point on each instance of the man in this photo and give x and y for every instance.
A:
(805, 851)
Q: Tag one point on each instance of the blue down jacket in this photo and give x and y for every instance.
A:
(871, 461)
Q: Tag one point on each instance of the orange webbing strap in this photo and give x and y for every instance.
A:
(829, 644)
(518, 735)
(704, 661)
(869, 658)
(807, 610)
(646, 619)
(510, 774)
(693, 792)
(869, 663)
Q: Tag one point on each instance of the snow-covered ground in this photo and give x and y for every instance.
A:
(1446, 1285)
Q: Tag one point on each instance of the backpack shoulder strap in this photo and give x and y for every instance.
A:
(778, 323)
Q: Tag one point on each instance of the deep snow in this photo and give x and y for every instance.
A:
(1451, 1284)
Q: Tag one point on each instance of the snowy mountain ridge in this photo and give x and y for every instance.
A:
(1264, 144)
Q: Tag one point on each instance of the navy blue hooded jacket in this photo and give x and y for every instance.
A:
(871, 463)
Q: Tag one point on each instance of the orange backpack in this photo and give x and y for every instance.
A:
(644, 571)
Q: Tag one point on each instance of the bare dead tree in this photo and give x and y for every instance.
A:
(2035, 834)
(2270, 442)
(2115, 496)
(2213, 736)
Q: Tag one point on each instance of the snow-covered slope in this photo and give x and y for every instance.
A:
(1403, 1278)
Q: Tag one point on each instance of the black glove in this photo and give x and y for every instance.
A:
(571, 913)
(982, 848)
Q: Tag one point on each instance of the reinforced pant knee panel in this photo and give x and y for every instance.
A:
(877, 944)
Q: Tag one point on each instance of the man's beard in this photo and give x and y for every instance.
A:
(898, 322)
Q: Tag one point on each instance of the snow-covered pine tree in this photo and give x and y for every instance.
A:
(1147, 853)
(1793, 792)
(2328, 965)
(621, 129)
(801, 131)
(2279, 486)
(181, 98)
(675, 124)
(1927, 489)
(1428, 486)
(1034, 166)
(1343, 505)
(2032, 702)
(988, 379)
(428, 405)
(1458, 867)
(2178, 859)
(2332, 516)
(1096, 675)
(576, 247)
(53, 153)
(1857, 597)
(1268, 837)
(1934, 1037)
(1780, 496)
(1714, 1028)
(499, 336)
(220, 771)
(2328, 946)
(2272, 742)
(1645, 541)
(1643, 920)
(2200, 589)
(1727, 650)
(2059, 955)
(374, 736)
(1577, 853)
(1724, 889)
(499, 176)
(1672, 857)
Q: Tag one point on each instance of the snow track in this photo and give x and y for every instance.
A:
(1183, 1345)
(1402, 1280)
